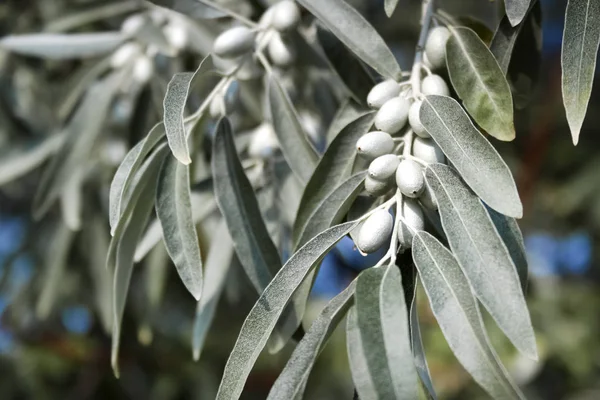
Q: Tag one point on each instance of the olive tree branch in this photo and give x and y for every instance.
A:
(427, 16)
(232, 14)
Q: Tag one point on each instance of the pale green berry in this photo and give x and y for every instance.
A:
(413, 222)
(375, 231)
(409, 178)
(125, 54)
(428, 151)
(264, 141)
(234, 42)
(375, 144)
(132, 24)
(143, 69)
(177, 34)
(286, 16)
(375, 187)
(427, 199)
(281, 52)
(435, 47)
(382, 92)
(415, 120)
(384, 167)
(393, 115)
(435, 84)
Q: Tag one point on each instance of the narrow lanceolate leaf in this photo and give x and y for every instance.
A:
(60, 47)
(333, 208)
(511, 235)
(235, 197)
(348, 111)
(356, 33)
(174, 211)
(191, 8)
(457, 313)
(174, 107)
(291, 382)
(579, 51)
(351, 71)
(472, 155)
(363, 381)
(264, 315)
(119, 187)
(296, 148)
(482, 255)
(80, 137)
(123, 244)
(516, 10)
(390, 7)
(480, 83)
(383, 322)
(331, 171)
(217, 265)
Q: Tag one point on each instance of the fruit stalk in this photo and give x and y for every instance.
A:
(427, 16)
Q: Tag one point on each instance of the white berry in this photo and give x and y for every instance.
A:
(384, 167)
(376, 187)
(382, 92)
(434, 84)
(428, 151)
(234, 42)
(435, 47)
(415, 120)
(409, 178)
(428, 200)
(413, 222)
(392, 116)
(124, 54)
(264, 141)
(143, 69)
(375, 144)
(177, 35)
(281, 52)
(133, 24)
(286, 16)
(375, 231)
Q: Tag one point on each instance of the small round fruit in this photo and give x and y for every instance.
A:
(392, 116)
(415, 120)
(428, 151)
(143, 69)
(435, 84)
(413, 222)
(177, 35)
(234, 42)
(375, 144)
(124, 54)
(264, 141)
(131, 25)
(375, 231)
(286, 16)
(281, 52)
(382, 92)
(435, 47)
(384, 167)
(375, 187)
(409, 178)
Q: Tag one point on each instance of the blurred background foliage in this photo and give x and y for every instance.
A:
(55, 346)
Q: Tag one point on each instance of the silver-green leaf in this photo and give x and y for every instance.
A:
(516, 10)
(482, 255)
(458, 316)
(264, 315)
(480, 83)
(472, 155)
(174, 211)
(297, 150)
(356, 33)
(390, 7)
(191, 8)
(579, 52)
(384, 330)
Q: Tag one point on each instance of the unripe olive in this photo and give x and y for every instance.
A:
(435, 84)
(286, 16)
(375, 231)
(383, 167)
(392, 116)
(124, 54)
(143, 69)
(428, 200)
(409, 178)
(415, 120)
(234, 42)
(428, 151)
(264, 141)
(377, 188)
(132, 24)
(281, 52)
(435, 47)
(382, 92)
(413, 221)
(177, 35)
(375, 144)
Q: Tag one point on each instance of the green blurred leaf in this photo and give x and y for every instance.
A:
(472, 155)
(174, 211)
(390, 7)
(356, 33)
(458, 316)
(191, 8)
(264, 315)
(483, 256)
(579, 52)
(480, 83)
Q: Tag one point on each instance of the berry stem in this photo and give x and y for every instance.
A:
(427, 16)
(232, 14)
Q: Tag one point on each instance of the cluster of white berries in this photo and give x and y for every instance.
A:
(397, 115)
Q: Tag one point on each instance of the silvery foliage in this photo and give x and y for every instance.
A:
(268, 148)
